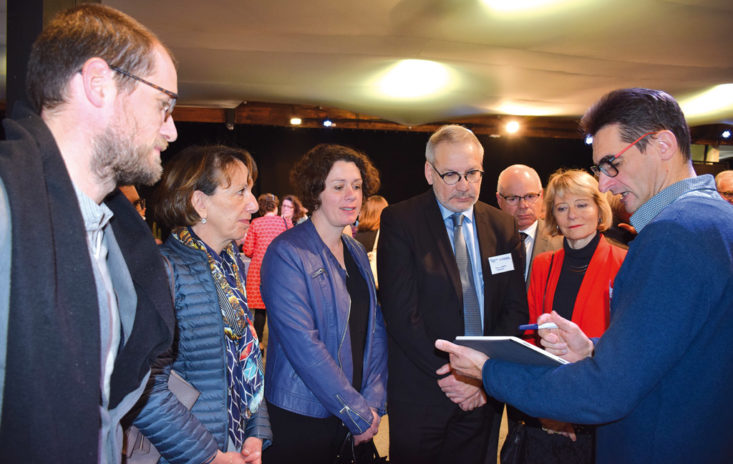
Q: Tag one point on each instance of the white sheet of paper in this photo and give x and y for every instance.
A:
(501, 263)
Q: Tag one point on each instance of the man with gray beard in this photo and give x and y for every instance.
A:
(84, 301)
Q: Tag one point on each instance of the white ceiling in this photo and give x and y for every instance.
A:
(554, 61)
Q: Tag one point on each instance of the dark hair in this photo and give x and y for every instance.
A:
(298, 210)
(201, 168)
(267, 203)
(639, 111)
(371, 213)
(310, 172)
(75, 35)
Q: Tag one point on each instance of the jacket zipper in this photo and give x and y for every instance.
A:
(343, 335)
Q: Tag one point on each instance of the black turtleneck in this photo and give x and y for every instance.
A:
(571, 276)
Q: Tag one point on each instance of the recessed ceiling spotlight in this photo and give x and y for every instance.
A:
(328, 123)
(589, 139)
(296, 121)
(725, 134)
(512, 127)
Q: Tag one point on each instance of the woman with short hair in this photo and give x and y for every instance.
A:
(327, 355)
(206, 198)
(577, 283)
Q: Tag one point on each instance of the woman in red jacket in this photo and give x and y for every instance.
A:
(261, 232)
(577, 282)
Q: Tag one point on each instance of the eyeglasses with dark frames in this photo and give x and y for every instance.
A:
(452, 178)
(607, 166)
(530, 198)
(168, 109)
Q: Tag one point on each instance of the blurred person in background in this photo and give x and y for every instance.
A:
(368, 231)
(292, 209)
(261, 232)
(724, 184)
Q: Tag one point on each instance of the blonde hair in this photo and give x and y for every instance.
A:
(575, 182)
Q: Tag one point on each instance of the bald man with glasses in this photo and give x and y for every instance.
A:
(519, 193)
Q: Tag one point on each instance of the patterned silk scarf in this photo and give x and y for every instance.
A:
(244, 359)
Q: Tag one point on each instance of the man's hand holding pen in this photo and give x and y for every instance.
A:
(566, 341)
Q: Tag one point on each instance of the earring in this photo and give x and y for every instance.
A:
(203, 220)
(599, 219)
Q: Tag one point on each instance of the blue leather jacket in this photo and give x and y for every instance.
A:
(309, 367)
(199, 356)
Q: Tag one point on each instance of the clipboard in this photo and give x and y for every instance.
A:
(511, 349)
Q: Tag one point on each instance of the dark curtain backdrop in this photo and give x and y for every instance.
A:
(399, 156)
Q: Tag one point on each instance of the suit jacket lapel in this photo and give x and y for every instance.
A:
(436, 227)
(487, 247)
(542, 243)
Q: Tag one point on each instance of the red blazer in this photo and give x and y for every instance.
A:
(592, 306)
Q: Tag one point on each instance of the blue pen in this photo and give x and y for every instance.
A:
(546, 325)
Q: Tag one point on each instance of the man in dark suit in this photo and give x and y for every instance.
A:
(519, 193)
(429, 291)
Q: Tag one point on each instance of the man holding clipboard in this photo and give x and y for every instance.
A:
(658, 381)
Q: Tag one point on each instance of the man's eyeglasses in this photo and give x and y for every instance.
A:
(607, 166)
(530, 198)
(452, 178)
(168, 109)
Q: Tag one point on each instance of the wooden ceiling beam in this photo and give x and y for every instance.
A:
(279, 114)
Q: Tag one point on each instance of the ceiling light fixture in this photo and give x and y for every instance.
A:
(725, 134)
(520, 5)
(526, 109)
(414, 78)
(328, 123)
(589, 139)
(711, 101)
(512, 127)
(296, 121)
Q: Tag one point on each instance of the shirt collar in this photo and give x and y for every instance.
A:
(703, 185)
(447, 214)
(96, 216)
(531, 231)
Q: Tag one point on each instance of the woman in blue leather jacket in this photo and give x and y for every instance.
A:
(326, 370)
(205, 197)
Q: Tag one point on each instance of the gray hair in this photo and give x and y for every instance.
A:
(451, 133)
